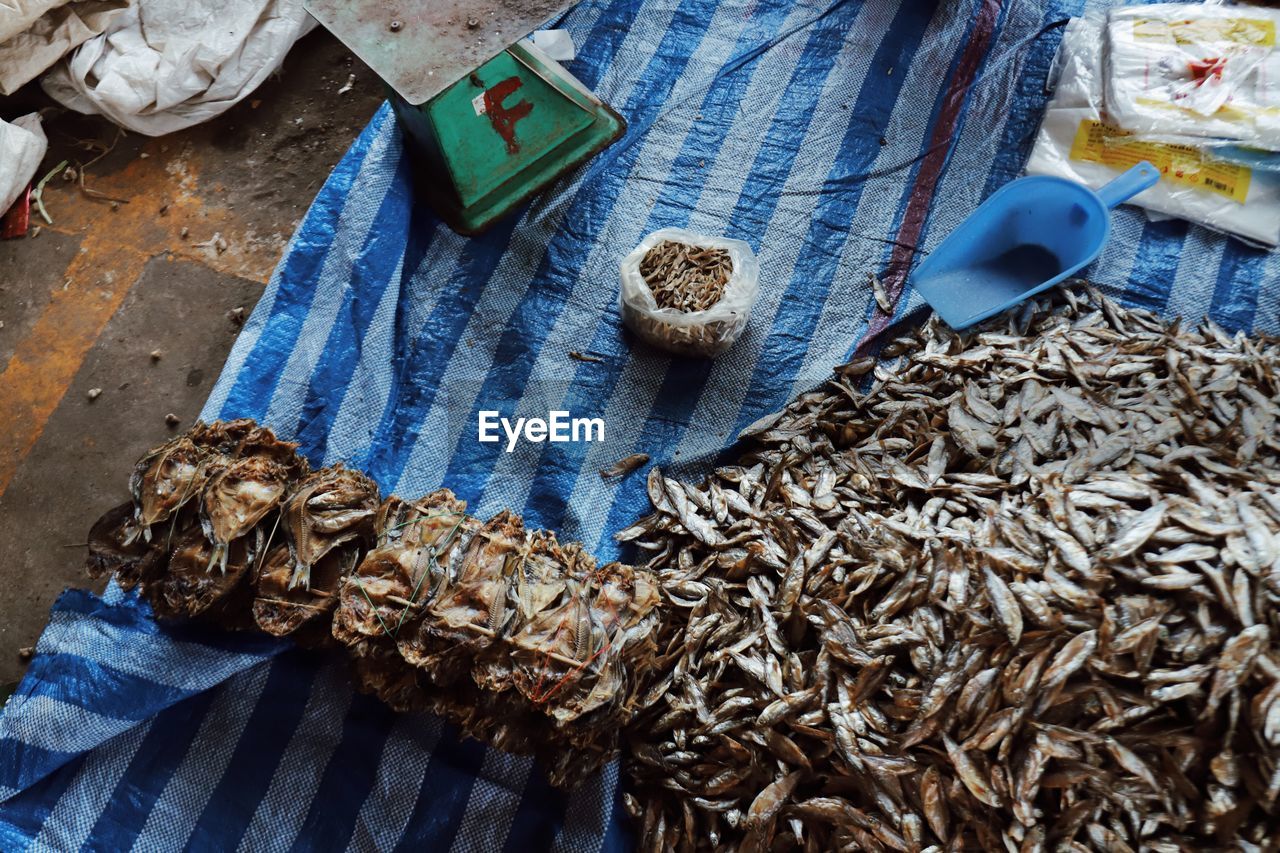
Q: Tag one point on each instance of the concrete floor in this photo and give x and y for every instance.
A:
(200, 220)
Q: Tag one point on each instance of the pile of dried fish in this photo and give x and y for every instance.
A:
(1016, 591)
(523, 642)
(686, 278)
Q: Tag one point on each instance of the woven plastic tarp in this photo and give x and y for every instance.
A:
(837, 138)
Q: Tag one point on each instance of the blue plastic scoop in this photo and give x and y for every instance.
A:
(1030, 235)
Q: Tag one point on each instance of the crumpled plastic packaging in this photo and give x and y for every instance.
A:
(695, 333)
(162, 65)
(17, 16)
(1080, 140)
(25, 54)
(1193, 72)
(22, 147)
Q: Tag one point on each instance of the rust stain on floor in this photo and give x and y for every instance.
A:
(161, 211)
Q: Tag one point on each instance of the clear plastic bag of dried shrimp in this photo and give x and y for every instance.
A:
(688, 293)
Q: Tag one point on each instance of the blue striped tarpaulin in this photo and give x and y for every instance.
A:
(837, 137)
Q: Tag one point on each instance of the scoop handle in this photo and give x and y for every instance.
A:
(1135, 180)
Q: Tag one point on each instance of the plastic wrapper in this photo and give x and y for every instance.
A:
(22, 146)
(1190, 71)
(697, 333)
(64, 26)
(1078, 140)
(161, 66)
(17, 15)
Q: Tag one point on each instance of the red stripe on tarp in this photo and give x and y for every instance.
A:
(922, 189)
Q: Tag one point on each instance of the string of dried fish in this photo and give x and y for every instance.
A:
(1016, 591)
(518, 640)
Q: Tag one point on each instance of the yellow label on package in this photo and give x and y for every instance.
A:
(1251, 31)
(1242, 115)
(1096, 142)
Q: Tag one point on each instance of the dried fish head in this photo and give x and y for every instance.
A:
(393, 582)
(329, 508)
(164, 480)
(187, 589)
(117, 547)
(243, 489)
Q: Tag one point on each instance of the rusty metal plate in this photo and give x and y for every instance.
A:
(421, 48)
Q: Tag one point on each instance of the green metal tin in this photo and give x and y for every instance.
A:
(502, 133)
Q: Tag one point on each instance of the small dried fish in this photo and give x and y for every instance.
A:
(689, 313)
(686, 278)
(625, 466)
(1134, 534)
(331, 507)
(883, 302)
